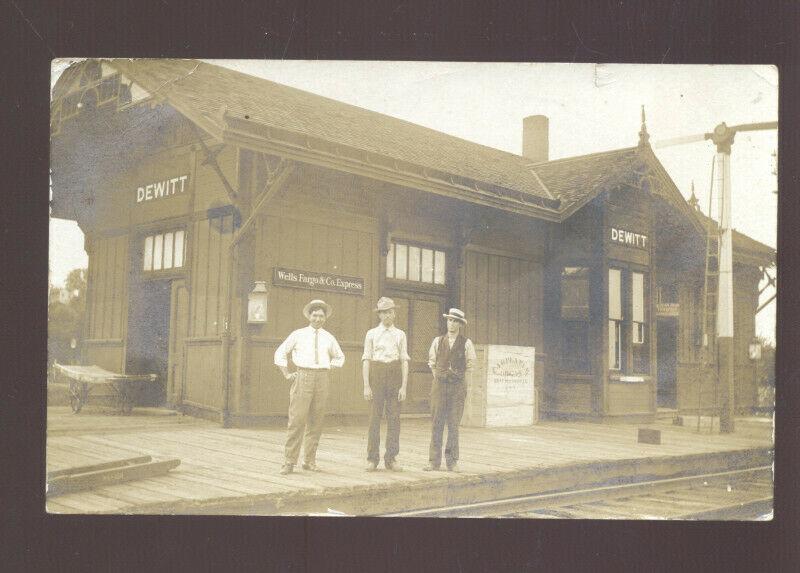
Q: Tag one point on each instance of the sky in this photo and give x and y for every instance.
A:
(592, 108)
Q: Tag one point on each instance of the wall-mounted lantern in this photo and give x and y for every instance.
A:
(754, 350)
(257, 304)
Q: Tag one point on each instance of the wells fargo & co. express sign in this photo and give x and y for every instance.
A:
(317, 281)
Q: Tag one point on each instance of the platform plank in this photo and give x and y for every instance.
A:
(242, 464)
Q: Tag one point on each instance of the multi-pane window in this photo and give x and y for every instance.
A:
(628, 296)
(414, 263)
(575, 319)
(163, 251)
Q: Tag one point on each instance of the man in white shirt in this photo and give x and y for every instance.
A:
(450, 358)
(385, 373)
(314, 352)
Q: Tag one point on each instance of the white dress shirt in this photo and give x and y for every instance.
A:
(310, 348)
(384, 344)
(469, 350)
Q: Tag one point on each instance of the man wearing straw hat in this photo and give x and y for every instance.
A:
(385, 373)
(314, 352)
(450, 357)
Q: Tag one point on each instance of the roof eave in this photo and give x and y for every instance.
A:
(317, 152)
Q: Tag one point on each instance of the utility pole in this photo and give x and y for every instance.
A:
(722, 137)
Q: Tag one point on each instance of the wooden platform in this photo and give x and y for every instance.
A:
(236, 470)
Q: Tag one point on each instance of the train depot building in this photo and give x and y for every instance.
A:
(215, 205)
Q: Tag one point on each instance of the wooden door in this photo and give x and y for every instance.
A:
(179, 325)
(420, 316)
(147, 349)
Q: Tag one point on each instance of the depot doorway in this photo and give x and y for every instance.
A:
(147, 350)
(667, 361)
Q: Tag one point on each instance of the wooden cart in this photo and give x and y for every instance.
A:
(85, 380)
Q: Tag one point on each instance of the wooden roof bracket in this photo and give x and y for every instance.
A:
(211, 159)
(272, 186)
(465, 230)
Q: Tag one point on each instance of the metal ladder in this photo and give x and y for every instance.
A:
(710, 303)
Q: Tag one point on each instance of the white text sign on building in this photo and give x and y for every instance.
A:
(317, 281)
(629, 238)
(161, 189)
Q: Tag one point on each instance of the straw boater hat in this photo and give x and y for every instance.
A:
(316, 302)
(384, 303)
(456, 314)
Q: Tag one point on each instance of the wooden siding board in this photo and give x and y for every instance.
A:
(524, 288)
(483, 298)
(628, 398)
(211, 278)
(349, 266)
(502, 293)
(492, 297)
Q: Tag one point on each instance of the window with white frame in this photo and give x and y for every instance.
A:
(414, 263)
(628, 301)
(615, 319)
(637, 307)
(163, 251)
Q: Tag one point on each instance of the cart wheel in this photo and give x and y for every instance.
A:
(75, 403)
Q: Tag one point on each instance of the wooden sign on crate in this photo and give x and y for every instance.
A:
(501, 391)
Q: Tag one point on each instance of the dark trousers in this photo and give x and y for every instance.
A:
(447, 407)
(307, 400)
(384, 381)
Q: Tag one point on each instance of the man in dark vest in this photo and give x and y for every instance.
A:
(451, 356)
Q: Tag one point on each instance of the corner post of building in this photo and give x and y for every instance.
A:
(254, 207)
(601, 258)
(385, 225)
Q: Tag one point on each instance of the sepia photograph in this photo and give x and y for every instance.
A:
(412, 289)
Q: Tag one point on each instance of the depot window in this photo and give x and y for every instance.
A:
(415, 263)
(575, 319)
(628, 301)
(163, 251)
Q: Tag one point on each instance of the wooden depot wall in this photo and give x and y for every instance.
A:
(121, 218)
(503, 270)
(329, 222)
(578, 242)
(308, 229)
(628, 210)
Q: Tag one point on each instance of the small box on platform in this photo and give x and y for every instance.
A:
(649, 436)
(501, 391)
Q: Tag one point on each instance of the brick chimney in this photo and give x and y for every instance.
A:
(536, 138)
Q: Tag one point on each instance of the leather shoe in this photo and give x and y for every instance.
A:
(453, 467)
(393, 466)
(287, 469)
(310, 466)
(430, 468)
(371, 466)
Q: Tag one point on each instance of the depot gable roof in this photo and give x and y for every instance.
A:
(223, 101)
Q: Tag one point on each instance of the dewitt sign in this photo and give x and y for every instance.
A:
(161, 189)
(629, 238)
(317, 281)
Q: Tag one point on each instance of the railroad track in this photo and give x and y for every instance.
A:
(731, 495)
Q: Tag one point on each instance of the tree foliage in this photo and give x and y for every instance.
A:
(65, 320)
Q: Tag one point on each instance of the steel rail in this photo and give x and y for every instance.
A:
(589, 495)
